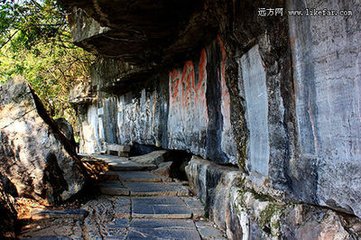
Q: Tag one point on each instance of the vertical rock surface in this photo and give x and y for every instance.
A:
(187, 110)
(326, 56)
(276, 95)
(255, 89)
(35, 157)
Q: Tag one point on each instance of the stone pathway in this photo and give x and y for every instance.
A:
(134, 204)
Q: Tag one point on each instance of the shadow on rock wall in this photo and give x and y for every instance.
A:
(34, 155)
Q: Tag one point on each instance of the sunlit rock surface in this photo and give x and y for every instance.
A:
(34, 155)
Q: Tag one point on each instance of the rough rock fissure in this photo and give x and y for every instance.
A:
(18, 118)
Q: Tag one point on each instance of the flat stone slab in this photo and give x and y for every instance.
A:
(136, 176)
(156, 189)
(113, 188)
(153, 229)
(195, 205)
(130, 166)
(108, 158)
(209, 232)
(158, 234)
(53, 229)
(123, 163)
(155, 157)
(67, 213)
(159, 207)
(121, 207)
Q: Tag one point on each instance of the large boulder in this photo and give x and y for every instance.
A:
(34, 155)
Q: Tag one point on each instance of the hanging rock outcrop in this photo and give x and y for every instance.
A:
(34, 155)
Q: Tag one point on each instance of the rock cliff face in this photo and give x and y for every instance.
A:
(277, 96)
(187, 109)
(35, 156)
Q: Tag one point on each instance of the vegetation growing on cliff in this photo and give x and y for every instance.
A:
(35, 42)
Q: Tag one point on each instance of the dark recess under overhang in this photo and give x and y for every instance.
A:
(146, 34)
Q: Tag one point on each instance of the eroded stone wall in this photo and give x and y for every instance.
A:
(326, 60)
(187, 110)
(277, 96)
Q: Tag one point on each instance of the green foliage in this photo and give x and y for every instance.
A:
(35, 42)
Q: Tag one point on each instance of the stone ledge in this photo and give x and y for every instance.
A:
(244, 209)
(212, 183)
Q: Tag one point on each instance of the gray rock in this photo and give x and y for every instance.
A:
(164, 169)
(36, 157)
(196, 206)
(212, 184)
(254, 82)
(160, 207)
(307, 222)
(163, 229)
(123, 164)
(114, 188)
(134, 176)
(327, 93)
(285, 93)
(156, 189)
(209, 232)
(81, 94)
(101, 213)
(155, 157)
(164, 114)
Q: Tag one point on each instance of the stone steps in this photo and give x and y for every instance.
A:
(137, 176)
(136, 205)
(160, 207)
(117, 163)
(117, 188)
(153, 229)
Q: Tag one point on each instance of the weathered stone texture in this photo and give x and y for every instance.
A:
(326, 56)
(91, 131)
(34, 155)
(256, 96)
(245, 211)
(212, 183)
(179, 112)
(145, 32)
(188, 106)
(260, 217)
(277, 96)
